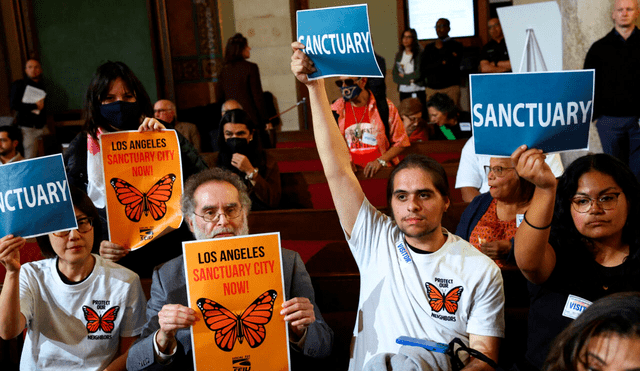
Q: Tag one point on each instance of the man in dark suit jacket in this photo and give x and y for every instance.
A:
(215, 204)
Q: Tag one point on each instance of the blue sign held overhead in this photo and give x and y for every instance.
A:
(35, 197)
(338, 41)
(551, 111)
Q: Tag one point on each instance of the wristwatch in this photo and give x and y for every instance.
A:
(252, 174)
(382, 162)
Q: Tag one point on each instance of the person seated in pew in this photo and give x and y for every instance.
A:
(80, 310)
(416, 278)
(471, 178)
(10, 144)
(411, 113)
(491, 219)
(579, 241)
(373, 130)
(216, 204)
(116, 100)
(228, 105)
(242, 153)
(605, 336)
(165, 110)
(451, 124)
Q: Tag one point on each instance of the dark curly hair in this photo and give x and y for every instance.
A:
(99, 88)
(564, 229)
(444, 104)
(614, 315)
(83, 203)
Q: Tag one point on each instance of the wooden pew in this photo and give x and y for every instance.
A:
(294, 159)
(309, 189)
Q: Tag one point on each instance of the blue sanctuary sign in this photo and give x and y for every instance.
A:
(338, 41)
(551, 111)
(35, 198)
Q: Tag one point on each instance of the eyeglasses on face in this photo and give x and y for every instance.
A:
(346, 82)
(497, 170)
(84, 225)
(414, 118)
(213, 215)
(583, 204)
(162, 110)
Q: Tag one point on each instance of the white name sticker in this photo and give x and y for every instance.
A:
(465, 126)
(370, 139)
(575, 306)
(519, 219)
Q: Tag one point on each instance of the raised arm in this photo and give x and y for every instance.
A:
(12, 321)
(534, 255)
(345, 189)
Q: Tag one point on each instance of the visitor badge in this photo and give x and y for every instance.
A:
(574, 306)
(370, 139)
(519, 219)
(465, 126)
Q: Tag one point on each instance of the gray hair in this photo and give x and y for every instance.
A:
(215, 174)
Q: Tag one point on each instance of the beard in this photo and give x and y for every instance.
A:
(424, 232)
(243, 230)
(6, 152)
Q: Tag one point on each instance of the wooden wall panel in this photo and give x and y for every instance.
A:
(191, 49)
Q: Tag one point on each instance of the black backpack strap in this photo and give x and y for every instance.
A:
(456, 345)
(383, 111)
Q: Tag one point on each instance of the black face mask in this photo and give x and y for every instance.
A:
(238, 145)
(122, 115)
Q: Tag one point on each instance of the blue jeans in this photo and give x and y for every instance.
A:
(620, 137)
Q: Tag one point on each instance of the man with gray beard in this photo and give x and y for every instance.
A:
(215, 204)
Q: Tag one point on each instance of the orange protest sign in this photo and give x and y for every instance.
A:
(236, 285)
(143, 178)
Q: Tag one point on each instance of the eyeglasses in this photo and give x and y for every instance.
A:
(414, 118)
(583, 204)
(346, 82)
(162, 110)
(84, 225)
(497, 170)
(213, 215)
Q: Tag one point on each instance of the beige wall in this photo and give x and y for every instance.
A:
(268, 27)
(583, 22)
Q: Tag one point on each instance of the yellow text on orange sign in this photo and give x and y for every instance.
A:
(143, 177)
(236, 285)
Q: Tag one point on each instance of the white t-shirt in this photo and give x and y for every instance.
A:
(394, 299)
(58, 330)
(471, 168)
(407, 61)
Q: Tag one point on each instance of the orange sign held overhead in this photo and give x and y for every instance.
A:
(236, 284)
(143, 177)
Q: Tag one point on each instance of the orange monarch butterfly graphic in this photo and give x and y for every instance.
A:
(230, 327)
(449, 301)
(104, 322)
(136, 202)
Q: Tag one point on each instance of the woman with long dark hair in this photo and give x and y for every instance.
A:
(579, 241)
(116, 100)
(605, 336)
(240, 80)
(242, 153)
(406, 69)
